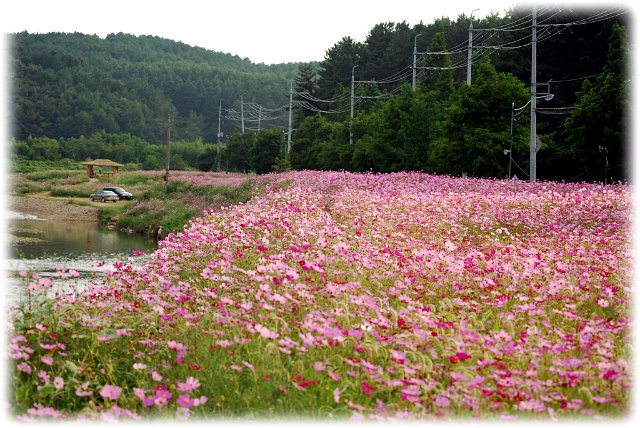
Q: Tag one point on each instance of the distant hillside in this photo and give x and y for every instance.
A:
(72, 84)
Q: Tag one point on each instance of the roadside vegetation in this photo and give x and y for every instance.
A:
(157, 204)
(344, 296)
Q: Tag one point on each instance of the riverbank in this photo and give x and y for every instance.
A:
(47, 209)
(159, 206)
(55, 210)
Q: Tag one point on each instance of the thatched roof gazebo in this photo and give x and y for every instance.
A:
(105, 167)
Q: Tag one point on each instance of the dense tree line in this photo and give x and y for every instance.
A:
(124, 91)
(446, 126)
(69, 85)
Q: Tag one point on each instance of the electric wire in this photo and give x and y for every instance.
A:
(546, 31)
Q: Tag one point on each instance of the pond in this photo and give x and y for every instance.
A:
(80, 246)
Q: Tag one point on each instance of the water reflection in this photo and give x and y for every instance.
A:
(43, 246)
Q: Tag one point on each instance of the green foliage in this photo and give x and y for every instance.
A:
(80, 97)
(322, 145)
(238, 151)
(281, 165)
(484, 108)
(171, 205)
(310, 133)
(18, 165)
(121, 148)
(337, 67)
(596, 128)
(442, 83)
(70, 85)
(306, 82)
(267, 147)
(206, 160)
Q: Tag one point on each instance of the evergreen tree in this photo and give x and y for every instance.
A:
(598, 122)
(440, 75)
(306, 87)
(238, 151)
(311, 132)
(337, 66)
(266, 149)
(306, 79)
(476, 128)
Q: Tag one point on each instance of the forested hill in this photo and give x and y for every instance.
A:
(399, 100)
(73, 84)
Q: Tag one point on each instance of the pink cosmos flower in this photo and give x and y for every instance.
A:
(111, 392)
(162, 398)
(185, 401)
(200, 401)
(175, 345)
(139, 392)
(81, 390)
(182, 413)
(183, 387)
(47, 360)
(44, 376)
(58, 382)
(441, 401)
(356, 417)
(333, 375)
(24, 367)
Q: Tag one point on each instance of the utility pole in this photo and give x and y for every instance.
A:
(352, 98)
(219, 132)
(415, 56)
(242, 110)
(166, 175)
(469, 54)
(290, 112)
(533, 142)
(219, 121)
(511, 139)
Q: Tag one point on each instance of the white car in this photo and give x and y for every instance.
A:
(104, 196)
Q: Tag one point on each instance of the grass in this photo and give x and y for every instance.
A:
(157, 204)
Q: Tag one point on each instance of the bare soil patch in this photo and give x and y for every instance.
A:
(57, 209)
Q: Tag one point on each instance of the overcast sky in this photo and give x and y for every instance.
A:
(268, 31)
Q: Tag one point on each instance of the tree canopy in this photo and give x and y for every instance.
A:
(78, 96)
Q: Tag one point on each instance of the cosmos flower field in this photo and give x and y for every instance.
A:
(333, 295)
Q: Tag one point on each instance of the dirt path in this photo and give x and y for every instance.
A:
(47, 207)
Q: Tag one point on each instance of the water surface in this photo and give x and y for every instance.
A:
(73, 245)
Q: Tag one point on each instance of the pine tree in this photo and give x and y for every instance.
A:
(597, 124)
(306, 82)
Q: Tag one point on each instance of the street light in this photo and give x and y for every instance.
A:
(546, 97)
